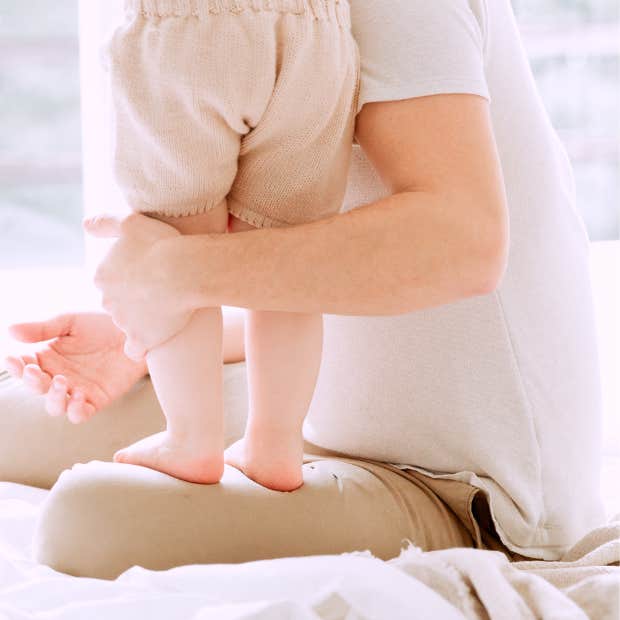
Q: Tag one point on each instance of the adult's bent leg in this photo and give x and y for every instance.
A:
(101, 518)
(35, 447)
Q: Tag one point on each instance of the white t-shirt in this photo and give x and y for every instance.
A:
(501, 391)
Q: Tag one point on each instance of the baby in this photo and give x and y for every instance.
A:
(232, 115)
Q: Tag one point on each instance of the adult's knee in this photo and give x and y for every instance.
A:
(77, 531)
(101, 519)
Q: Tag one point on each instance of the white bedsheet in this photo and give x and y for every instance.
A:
(325, 587)
(449, 584)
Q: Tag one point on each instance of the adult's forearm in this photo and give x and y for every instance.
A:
(400, 254)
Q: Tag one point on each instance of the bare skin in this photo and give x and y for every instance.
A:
(83, 354)
(441, 236)
(81, 369)
(271, 451)
(186, 372)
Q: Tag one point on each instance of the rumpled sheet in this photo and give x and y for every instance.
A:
(585, 583)
(448, 584)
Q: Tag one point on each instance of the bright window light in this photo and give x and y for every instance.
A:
(572, 45)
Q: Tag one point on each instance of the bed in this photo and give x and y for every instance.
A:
(455, 583)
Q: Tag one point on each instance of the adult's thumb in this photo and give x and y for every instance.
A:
(38, 331)
(103, 225)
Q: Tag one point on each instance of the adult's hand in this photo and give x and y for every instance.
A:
(80, 366)
(139, 283)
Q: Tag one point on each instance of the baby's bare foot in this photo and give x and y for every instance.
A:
(187, 460)
(271, 462)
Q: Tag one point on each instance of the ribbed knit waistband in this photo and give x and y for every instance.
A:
(329, 10)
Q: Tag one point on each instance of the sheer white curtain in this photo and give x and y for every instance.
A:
(101, 194)
(97, 19)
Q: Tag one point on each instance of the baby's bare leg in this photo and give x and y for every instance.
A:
(187, 376)
(283, 353)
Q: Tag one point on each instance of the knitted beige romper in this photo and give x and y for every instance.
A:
(249, 100)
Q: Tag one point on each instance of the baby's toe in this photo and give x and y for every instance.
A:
(120, 456)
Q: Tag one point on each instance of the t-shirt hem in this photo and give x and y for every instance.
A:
(548, 552)
(436, 86)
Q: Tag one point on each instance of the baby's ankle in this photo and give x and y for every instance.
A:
(273, 432)
(196, 435)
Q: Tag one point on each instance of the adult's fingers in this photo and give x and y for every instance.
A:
(103, 225)
(56, 397)
(78, 408)
(36, 379)
(37, 331)
(15, 366)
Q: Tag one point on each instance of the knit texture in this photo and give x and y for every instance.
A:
(335, 10)
(253, 101)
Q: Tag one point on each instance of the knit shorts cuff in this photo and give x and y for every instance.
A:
(254, 218)
(324, 10)
(183, 210)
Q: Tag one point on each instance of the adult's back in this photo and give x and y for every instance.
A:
(502, 390)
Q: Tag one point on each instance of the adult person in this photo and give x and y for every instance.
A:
(458, 402)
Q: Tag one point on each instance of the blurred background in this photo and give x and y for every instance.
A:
(573, 47)
(40, 146)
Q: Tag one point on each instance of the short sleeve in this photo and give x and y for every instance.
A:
(415, 48)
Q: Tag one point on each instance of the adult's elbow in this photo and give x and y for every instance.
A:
(488, 252)
(491, 271)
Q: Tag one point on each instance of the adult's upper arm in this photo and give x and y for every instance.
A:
(425, 120)
(443, 147)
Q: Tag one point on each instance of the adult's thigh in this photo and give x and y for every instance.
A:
(35, 447)
(102, 518)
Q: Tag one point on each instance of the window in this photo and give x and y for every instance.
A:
(573, 47)
(40, 152)
(574, 50)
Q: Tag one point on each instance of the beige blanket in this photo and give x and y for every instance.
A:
(585, 583)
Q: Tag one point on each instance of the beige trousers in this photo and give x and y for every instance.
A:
(101, 518)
